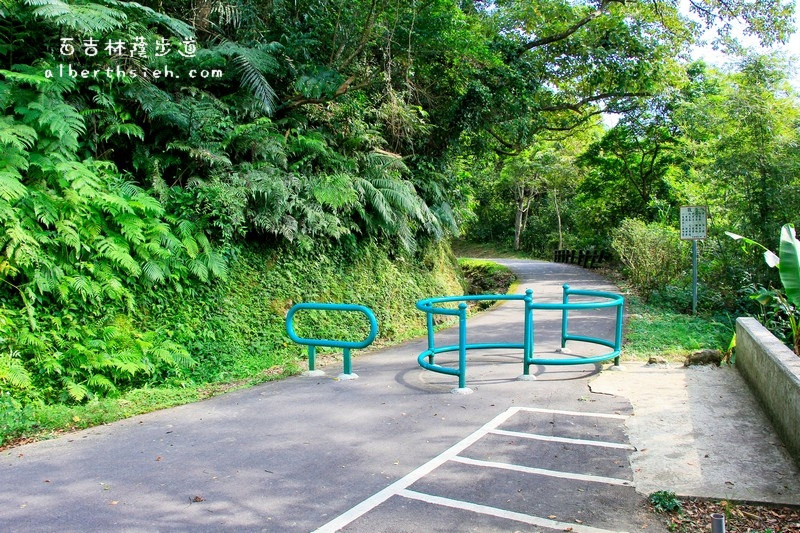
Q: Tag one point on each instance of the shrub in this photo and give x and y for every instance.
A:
(652, 254)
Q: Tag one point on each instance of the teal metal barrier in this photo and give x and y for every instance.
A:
(428, 306)
(345, 345)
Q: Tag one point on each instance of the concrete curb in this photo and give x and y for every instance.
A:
(773, 372)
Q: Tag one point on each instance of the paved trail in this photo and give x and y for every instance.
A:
(391, 451)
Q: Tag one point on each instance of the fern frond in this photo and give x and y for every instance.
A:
(11, 187)
(190, 246)
(157, 104)
(178, 27)
(336, 191)
(127, 129)
(255, 82)
(374, 198)
(76, 391)
(69, 234)
(12, 371)
(216, 264)
(16, 135)
(84, 287)
(88, 18)
(99, 381)
(113, 204)
(401, 196)
(35, 80)
(201, 154)
(153, 271)
(131, 226)
(81, 178)
(63, 121)
(147, 205)
(118, 254)
(200, 270)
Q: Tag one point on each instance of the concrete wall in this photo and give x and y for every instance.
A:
(773, 372)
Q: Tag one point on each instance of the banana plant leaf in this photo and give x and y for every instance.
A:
(789, 266)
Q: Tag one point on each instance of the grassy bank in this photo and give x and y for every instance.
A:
(234, 329)
(656, 329)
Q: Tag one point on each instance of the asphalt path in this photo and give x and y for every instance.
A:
(394, 450)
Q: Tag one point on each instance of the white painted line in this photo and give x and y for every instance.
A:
(572, 413)
(410, 478)
(564, 440)
(502, 513)
(543, 472)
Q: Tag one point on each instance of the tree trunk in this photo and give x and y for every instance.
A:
(518, 223)
(558, 217)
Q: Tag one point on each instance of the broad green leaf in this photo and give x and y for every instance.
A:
(789, 266)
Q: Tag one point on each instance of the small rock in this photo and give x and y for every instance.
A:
(656, 361)
(704, 357)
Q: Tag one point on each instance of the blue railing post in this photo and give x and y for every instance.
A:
(312, 352)
(348, 367)
(462, 345)
(527, 350)
(564, 317)
(431, 340)
(618, 336)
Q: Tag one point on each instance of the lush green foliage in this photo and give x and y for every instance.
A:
(235, 328)
(781, 307)
(333, 130)
(79, 242)
(653, 255)
(486, 277)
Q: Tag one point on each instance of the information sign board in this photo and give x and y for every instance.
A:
(694, 223)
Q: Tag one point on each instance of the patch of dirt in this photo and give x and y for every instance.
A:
(739, 518)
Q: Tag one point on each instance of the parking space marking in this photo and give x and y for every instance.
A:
(502, 513)
(400, 486)
(565, 440)
(571, 413)
(415, 475)
(543, 472)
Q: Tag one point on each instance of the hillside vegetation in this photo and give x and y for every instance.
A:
(175, 174)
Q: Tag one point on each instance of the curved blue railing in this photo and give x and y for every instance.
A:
(345, 345)
(428, 306)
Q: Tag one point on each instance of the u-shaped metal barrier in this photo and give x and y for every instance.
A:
(345, 345)
(428, 305)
